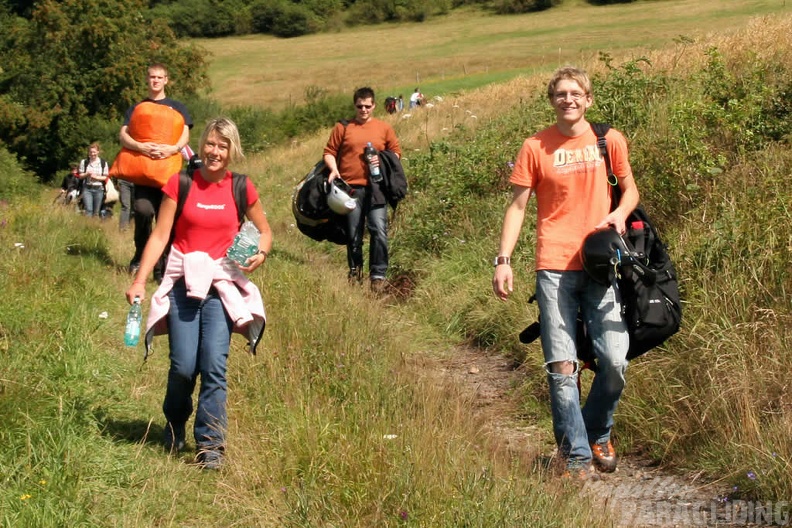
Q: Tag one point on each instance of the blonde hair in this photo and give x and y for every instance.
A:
(569, 73)
(226, 129)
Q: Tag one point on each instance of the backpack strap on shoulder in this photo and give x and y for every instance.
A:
(185, 182)
(239, 187)
(601, 129)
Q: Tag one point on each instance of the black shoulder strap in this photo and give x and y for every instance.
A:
(601, 129)
(185, 182)
(239, 183)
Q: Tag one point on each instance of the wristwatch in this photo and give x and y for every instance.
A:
(262, 252)
(502, 260)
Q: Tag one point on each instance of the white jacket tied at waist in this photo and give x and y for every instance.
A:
(240, 296)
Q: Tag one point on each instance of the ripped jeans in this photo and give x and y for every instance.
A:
(560, 295)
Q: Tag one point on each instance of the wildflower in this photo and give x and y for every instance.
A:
(751, 475)
(25, 497)
(403, 515)
(43, 482)
(510, 164)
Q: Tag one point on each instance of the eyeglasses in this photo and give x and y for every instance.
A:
(575, 96)
(364, 107)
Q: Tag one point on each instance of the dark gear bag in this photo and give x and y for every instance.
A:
(312, 214)
(651, 304)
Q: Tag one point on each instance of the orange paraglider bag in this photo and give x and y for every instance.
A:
(150, 122)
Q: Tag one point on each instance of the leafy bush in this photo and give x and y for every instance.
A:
(14, 181)
(283, 18)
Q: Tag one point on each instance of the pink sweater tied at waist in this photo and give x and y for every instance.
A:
(240, 296)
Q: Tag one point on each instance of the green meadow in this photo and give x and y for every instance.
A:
(347, 416)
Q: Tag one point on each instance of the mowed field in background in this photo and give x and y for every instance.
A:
(464, 49)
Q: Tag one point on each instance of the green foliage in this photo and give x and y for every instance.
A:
(75, 61)
(204, 18)
(512, 7)
(283, 18)
(14, 180)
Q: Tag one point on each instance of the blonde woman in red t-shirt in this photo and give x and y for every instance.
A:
(562, 166)
(204, 296)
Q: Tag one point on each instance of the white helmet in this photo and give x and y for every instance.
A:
(338, 199)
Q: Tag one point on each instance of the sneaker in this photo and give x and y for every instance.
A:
(604, 456)
(579, 472)
(173, 438)
(210, 459)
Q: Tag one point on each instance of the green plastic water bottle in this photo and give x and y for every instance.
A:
(134, 318)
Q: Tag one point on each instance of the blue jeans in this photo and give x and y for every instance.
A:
(561, 294)
(92, 199)
(199, 337)
(376, 216)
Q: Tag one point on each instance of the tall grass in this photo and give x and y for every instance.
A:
(342, 419)
(709, 125)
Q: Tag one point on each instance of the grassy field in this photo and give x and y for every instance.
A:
(466, 49)
(345, 419)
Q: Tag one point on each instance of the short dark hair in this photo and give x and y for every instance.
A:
(363, 93)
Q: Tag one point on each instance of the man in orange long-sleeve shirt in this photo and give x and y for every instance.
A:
(343, 155)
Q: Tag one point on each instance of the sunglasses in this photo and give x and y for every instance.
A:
(366, 107)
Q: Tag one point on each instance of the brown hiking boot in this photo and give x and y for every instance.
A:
(604, 456)
(577, 472)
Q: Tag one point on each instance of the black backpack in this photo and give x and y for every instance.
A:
(651, 303)
(313, 216)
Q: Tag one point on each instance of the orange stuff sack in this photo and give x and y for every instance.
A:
(156, 123)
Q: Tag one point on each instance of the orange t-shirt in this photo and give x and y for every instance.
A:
(568, 177)
(351, 164)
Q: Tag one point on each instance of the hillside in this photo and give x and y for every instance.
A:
(421, 409)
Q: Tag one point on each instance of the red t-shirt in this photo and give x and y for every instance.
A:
(569, 179)
(208, 221)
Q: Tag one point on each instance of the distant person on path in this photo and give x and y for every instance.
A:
(343, 156)
(203, 297)
(71, 186)
(94, 172)
(147, 198)
(400, 103)
(562, 166)
(416, 99)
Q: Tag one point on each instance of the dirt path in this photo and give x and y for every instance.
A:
(638, 494)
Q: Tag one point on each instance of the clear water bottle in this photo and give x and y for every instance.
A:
(245, 243)
(134, 318)
(369, 152)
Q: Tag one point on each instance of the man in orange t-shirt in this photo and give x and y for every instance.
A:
(563, 167)
(344, 157)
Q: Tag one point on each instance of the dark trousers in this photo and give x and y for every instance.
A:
(125, 192)
(146, 206)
